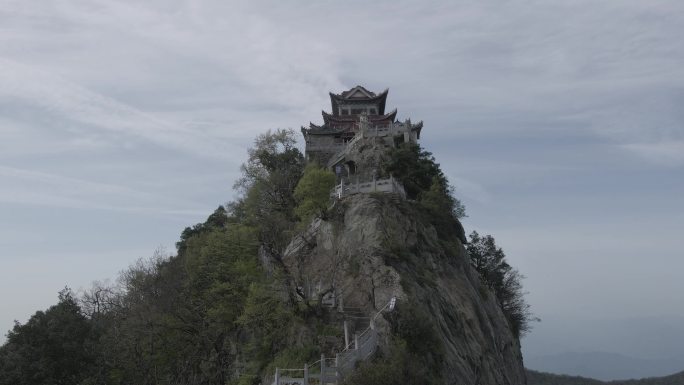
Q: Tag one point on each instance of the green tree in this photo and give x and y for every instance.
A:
(218, 219)
(414, 167)
(54, 347)
(422, 178)
(506, 282)
(269, 177)
(267, 320)
(313, 192)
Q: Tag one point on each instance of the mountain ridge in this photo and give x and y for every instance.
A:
(541, 378)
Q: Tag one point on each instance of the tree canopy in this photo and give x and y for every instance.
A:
(506, 282)
(423, 178)
(54, 347)
(269, 177)
(313, 192)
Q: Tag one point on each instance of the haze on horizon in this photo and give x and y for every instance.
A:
(559, 123)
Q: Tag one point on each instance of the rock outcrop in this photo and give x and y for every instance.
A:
(375, 246)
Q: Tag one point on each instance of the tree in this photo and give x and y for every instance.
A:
(505, 281)
(489, 260)
(269, 177)
(422, 178)
(313, 192)
(414, 167)
(218, 219)
(53, 347)
(274, 160)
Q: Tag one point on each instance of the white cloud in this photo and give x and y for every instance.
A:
(22, 186)
(84, 111)
(667, 153)
(465, 188)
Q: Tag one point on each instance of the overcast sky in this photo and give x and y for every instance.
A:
(561, 124)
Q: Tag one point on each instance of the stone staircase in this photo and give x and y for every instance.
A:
(333, 370)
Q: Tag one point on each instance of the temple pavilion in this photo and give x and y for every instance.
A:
(354, 114)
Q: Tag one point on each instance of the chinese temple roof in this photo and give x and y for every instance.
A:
(358, 95)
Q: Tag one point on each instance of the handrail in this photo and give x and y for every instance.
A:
(365, 344)
(368, 185)
(344, 361)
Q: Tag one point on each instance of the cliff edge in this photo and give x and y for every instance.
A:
(371, 247)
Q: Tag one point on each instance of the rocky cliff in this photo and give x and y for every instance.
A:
(372, 247)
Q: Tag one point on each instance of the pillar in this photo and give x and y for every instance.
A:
(323, 381)
(346, 334)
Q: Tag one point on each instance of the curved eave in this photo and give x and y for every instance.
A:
(345, 94)
(330, 118)
(418, 127)
(391, 116)
(319, 130)
(379, 99)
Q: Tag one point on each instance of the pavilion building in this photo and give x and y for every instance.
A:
(354, 113)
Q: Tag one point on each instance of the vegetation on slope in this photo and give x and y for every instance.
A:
(198, 317)
(424, 181)
(505, 281)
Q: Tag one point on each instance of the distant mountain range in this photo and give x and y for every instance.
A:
(541, 378)
(607, 349)
(603, 366)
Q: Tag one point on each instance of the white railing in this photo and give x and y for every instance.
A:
(332, 370)
(365, 131)
(389, 130)
(304, 237)
(388, 185)
(330, 147)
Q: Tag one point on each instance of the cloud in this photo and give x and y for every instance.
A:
(667, 153)
(88, 111)
(185, 72)
(469, 189)
(21, 186)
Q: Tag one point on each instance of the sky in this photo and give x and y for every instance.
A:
(560, 124)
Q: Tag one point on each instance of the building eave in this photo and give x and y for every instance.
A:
(378, 99)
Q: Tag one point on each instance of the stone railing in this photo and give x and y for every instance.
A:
(334, 370)
(331, 370)
(329, 147)
(347, 187)
(303, 238)
(387, 130)
(366, 131)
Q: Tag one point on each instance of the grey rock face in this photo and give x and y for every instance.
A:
(373, 247)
